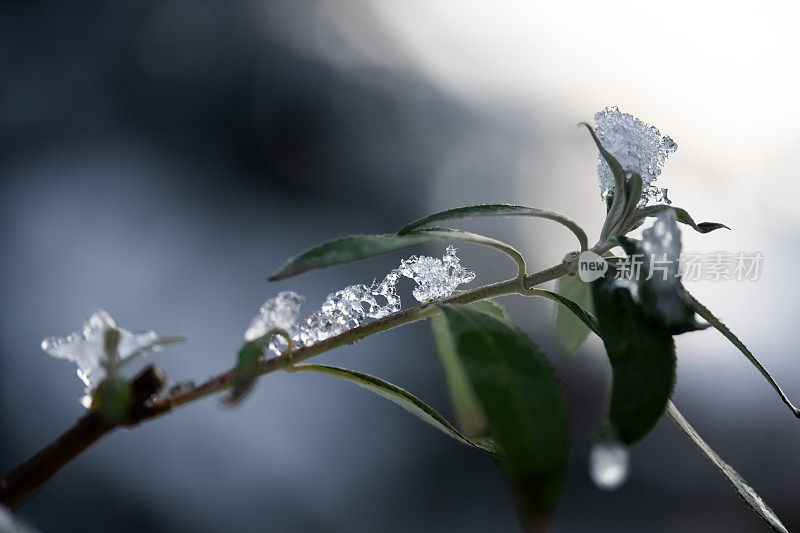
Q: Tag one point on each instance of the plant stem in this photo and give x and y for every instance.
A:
(18, 485)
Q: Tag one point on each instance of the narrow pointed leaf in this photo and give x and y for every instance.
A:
(499, 210)
(616, 167)
(246, 371)
(585, 316)
(571, 327)
(634, 191)
(704, 312)
(616, 211)
(745, 491)
(522, 401)
(158, 343)
(357, 247)
(642, 357)
(469, 414)
(403, 398)
(681, 214)
(490, 308)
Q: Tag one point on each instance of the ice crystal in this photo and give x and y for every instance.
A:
(86, 348)
(435, 278)
(638, 147)
(653, 275)
(352, 306)
(661, 245)
(655, 264)
(280, 312)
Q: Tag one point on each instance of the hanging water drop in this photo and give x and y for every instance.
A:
(609, 464)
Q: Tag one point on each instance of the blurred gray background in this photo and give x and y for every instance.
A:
(159, 159)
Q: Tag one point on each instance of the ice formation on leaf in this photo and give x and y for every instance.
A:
(350, 307)
(638, 147)
(87, 349)
(654, 277)
(654, 261)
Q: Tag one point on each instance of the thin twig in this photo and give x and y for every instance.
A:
(24, 480)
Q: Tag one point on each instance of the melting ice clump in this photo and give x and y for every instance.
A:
(638, 147)
(351, 306)
(653, 275)
(435, 278)
(86, 348)
(280, 312)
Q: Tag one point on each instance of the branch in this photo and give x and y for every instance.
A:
(24, 480)
(18, 485)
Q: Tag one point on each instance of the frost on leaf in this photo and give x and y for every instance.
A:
(352, 306)
(654, 277)
(638, 147)
(87, 349)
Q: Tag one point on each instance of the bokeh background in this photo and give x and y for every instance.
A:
(159, 158)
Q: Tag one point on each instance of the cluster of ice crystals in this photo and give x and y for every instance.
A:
(435, 278)
(661, 245)
(280, 312)
(86, 348)
(638, 147)
(653, 275)
(351, 306)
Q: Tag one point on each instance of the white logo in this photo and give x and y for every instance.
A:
(591, 266)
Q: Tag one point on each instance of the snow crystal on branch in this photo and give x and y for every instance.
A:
(350, 307)
(638, 147)
(87, 348)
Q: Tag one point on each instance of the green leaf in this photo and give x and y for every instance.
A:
(246, 371)
(571, 328)
(634, 190)
(403, 398)
(616, 167)
(704, 312)
(356, 247)
(157, 343)
(642, 359)
(112, 399)
(585, 316)
(616, 211)
(745, 491)
(490, 308)
(522, 401)
(493, 210)
(681, 214)
(469, 414)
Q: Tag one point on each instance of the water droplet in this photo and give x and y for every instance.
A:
(609, 464)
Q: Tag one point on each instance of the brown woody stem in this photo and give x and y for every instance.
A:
(28, 477)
